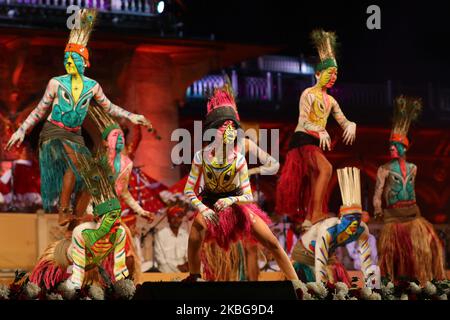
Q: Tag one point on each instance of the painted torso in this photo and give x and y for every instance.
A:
(220, 178)
(315, 109)
(399, 183)
(67, 111)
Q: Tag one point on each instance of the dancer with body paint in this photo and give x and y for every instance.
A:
(65, 104)
(408, 245)
(302, 187)
(226, 212)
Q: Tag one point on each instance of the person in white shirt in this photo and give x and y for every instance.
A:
(171, 243)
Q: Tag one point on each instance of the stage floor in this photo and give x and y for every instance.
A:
(8, 278)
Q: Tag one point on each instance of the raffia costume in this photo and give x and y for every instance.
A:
(295, 188)
(408, 246)
(65, 105)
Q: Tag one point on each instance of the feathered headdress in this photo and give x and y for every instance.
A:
(102, 120)
(79, 37)
(99, 180)
(221, 106)
(325, 43)
(406, 110)
(350, 186)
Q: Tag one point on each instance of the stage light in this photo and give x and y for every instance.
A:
(160, 7)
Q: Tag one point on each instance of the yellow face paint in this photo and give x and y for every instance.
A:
(71, 67)
(352, 228)
(230, 134)
(328, 77)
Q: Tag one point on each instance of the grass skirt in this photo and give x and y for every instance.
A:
(234, 224)
(221, 265)
(411, 249)
(294, 192)
(54, 162)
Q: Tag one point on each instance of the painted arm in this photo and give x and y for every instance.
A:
(270, 165)
(346, 125)
(379, 186)
(244, 182)
(189, 189)
(322, 254)
(115, 110)
(35, 116)
(132, 203)
(368, 268)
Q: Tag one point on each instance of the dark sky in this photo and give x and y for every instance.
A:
(412, 45)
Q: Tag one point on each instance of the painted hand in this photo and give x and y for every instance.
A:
(210, 216)
(253, 171)
(349, 133)
(16, 139)
(223, 203)
(141, 120)
(150, 216)
(325, 140)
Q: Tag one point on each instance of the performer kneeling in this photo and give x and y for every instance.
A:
(314, 251)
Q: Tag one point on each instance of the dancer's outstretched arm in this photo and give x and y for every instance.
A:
(115, 110)
(270, 165)
(35, 116)
(132, 203)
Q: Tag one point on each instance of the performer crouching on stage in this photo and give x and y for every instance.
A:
(226, 212)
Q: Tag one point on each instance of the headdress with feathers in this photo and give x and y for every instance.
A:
(79, 36)
(325, 43)
(221, 106)
(406, 111)
(350, 186)
(103, 121)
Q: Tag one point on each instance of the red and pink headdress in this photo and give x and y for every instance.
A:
(221, 107)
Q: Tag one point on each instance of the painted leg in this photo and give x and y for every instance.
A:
(65, 211)
(320, 187)
(68, 184)
(120, 266)
(81, 204)
(251, 257)
(78, 255)
(263, 234)
(196, 237)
